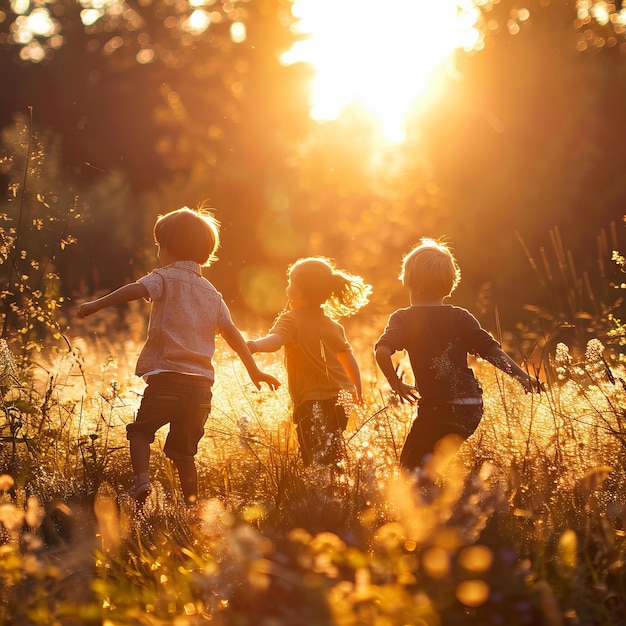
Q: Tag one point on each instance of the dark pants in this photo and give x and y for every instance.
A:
(181, 400)
(320, 425)
(433, 423)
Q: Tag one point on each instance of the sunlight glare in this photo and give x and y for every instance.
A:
(378, 55)
(41, 23)
(197, 22)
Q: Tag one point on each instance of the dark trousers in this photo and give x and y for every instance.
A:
(320, 425)
(434, 422)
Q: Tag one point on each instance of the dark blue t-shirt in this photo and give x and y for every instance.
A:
(438, 340)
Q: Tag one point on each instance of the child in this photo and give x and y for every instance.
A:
(319, 359)
(438, 337)
(187, 312)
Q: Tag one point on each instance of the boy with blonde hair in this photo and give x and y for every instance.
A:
(438, 338)
(176, 360)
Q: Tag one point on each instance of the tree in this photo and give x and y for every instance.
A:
(527, 137)
(204, 115)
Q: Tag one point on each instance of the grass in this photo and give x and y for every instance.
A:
(524, 525)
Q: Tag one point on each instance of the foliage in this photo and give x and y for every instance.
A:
(618, 332)
(35, 227)
(523, 137)
(577, 307)
(524, 525)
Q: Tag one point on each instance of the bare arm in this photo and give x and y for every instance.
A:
(270, 343)
(235, 340)
(383, 358)
(349, 364)
(498, 357)
(127, 293)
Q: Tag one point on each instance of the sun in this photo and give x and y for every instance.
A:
(379, 55)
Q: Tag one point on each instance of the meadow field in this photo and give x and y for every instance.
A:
(525, 525)
(132, 109)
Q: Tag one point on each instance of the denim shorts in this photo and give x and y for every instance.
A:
(181, 400)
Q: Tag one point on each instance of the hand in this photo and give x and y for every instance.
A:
(406, 392)
(272, 382)
(86, 309)
(532, 384)
(251, 346)
(357, 398)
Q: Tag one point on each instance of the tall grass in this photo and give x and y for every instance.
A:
(526, 524)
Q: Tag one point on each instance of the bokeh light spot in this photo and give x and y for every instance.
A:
(472, 593)
(263, 289)
(436, 562)
(197, 22)
(476, 558)
(238, 32)
(277, 236)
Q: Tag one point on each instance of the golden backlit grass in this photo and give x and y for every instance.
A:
(524, 525)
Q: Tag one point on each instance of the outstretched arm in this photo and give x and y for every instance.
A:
(383, 358)
(235, 340)
(351, 367)
(498, 357)
(270, 343)
(127, 293)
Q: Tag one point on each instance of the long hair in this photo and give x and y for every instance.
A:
(320, 282)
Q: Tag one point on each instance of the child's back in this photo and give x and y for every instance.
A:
(438, 339)
(318, 357)
(176, 359)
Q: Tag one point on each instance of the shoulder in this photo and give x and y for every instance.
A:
(462, 314)
(406, 315)
(187, 272)
(404, 312)
(286, 326)
(283, 320)
(331, 325)
(152, 280)
(301, 316)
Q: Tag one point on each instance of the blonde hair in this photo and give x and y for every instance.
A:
(189, 235)
(320, 282)
(430, 269)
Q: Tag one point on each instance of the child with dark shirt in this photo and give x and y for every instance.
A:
(438, 338)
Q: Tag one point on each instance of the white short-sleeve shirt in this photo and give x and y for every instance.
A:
(187, 313)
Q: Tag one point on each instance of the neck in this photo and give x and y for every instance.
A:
(299, 303)
(423, 301)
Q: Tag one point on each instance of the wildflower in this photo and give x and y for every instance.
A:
(594, 365)
(7, 364)
(562, 360)
(594, 350)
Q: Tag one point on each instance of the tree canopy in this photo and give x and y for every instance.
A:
(157, 104)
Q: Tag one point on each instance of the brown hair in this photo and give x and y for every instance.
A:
(320, 282)
(430, 269)
(189, 235)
